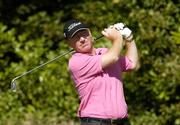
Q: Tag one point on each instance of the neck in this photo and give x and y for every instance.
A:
(93, 52)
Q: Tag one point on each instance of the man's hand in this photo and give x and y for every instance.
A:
(112, 34)
(125, 31)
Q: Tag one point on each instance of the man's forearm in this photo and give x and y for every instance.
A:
(113, 53)
(131, 52)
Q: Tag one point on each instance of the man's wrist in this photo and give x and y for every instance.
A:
(129, 40)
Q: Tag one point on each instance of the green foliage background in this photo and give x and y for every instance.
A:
(31, 34)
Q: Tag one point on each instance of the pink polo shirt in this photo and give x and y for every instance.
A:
(100, 90)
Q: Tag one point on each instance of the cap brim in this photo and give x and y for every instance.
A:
(78, 30)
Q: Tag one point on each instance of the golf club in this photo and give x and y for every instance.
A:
(13, 82)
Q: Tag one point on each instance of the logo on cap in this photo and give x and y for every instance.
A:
(73, 25)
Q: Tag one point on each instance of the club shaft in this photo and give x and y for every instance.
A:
(25, 73)
(98, 37)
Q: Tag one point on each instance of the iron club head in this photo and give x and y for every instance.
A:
(13, 86)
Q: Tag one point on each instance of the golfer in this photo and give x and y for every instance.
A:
(97, 74)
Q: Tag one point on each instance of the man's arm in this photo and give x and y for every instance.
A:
(132, 53)
(117, 44)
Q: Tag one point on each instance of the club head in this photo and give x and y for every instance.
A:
(13, 86)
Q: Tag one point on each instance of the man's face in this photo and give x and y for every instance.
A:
(82, 41)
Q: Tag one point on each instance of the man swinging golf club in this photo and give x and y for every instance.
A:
(97, 72)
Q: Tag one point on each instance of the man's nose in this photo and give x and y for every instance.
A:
(82, 39)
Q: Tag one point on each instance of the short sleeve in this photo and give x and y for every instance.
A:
(85, 68)
(125, 63)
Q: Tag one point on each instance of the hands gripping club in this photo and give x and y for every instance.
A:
(125, 31)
